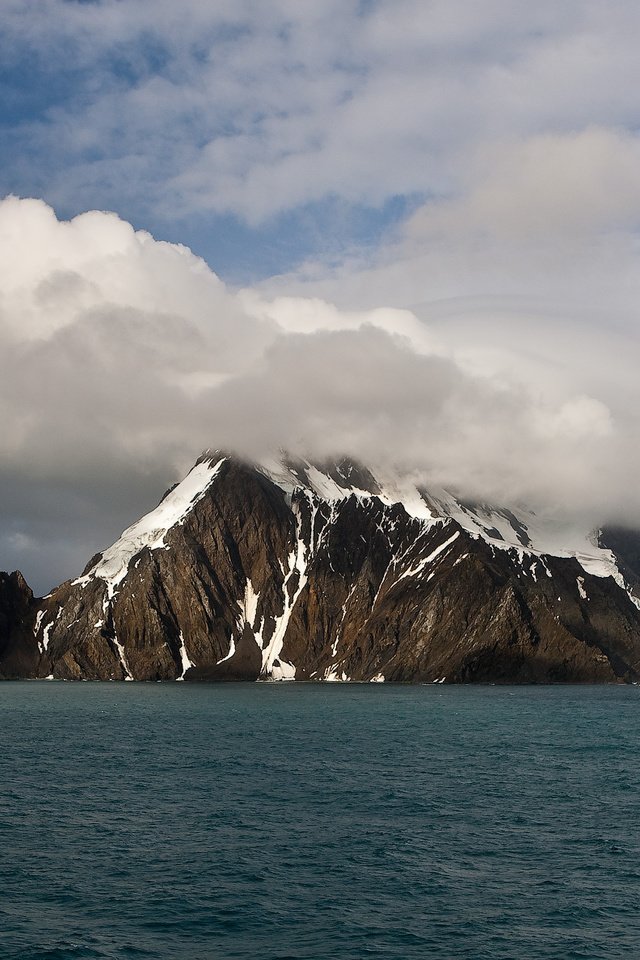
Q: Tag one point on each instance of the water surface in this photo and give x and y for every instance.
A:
(194, 822)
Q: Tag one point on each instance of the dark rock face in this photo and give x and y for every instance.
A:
(248, 580)
(626, 546)
(18, 649)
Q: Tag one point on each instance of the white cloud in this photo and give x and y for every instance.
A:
(550, 187)
(255, 108)
(122, 357)
(492, 341)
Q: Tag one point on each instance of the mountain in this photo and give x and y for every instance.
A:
(307, 571)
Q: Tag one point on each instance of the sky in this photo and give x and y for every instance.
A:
(401, 229)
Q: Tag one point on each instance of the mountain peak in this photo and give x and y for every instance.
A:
(328, 570)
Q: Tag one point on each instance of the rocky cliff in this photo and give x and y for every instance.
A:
(18, 653)
(299, 571)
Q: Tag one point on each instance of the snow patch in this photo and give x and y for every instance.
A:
(419, 567)
(393, 487)
(332, 676)
(232, 650)
(45, 636)
(123, 659)
(150, 531)
(296, 567)
(248, 606)
(184, 658)
(281, 670)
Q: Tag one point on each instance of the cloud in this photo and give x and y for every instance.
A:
(489, 341)
(550, 186)
(528, 276)
(254, 109)
(122, 357)
(530, 273)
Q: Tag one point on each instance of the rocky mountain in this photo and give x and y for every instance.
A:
(294, 570)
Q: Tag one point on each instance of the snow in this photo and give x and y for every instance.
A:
(45, 636)
(184, 658)
(333, 677)
(602, 564)
(247, 617)
(232, 650)
(397, 489)
(44, 643)
(279, 473)
(381, 584)
(419, 567)
(334, 646)
(150, 531)
(394, 488)
(297, 565)
(281, 670)
(123, 659)
(501, 529)
(248, 606)
(548, 535)
(327, 488)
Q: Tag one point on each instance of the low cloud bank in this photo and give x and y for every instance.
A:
(122, 357)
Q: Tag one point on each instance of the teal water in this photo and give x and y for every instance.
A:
(195, 822)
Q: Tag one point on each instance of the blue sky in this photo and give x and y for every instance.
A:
(424, 218)
(264, 134)
(110, 105)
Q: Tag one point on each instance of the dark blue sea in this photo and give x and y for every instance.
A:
(194, 822)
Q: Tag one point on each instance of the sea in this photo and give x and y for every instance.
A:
(283, 821)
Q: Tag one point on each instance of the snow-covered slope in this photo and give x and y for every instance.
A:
(150, 531)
